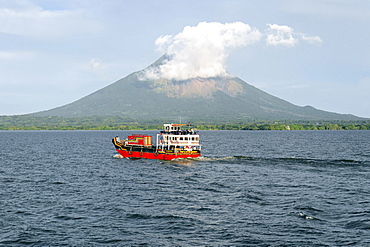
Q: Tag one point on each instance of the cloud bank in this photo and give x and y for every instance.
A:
(26, 19)
(201, 51)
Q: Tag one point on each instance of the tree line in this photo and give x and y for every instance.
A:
(29, 122)
(253, 126)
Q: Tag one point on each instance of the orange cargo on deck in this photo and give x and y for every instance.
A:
(141, 140)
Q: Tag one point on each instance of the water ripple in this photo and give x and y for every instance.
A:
(262, 189)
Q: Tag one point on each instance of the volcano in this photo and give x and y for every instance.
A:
(215, 98)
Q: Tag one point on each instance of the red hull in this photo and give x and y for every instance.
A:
(158, 156)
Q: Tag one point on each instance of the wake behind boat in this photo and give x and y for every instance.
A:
(173, 142)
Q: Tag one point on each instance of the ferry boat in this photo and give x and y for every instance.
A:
(175, 141)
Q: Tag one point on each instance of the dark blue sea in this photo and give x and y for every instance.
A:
(250, 188)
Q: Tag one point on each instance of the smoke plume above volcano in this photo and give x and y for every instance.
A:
(201, 51)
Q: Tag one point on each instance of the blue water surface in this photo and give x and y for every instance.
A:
(250, 188)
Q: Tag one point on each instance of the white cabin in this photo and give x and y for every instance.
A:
(174, 137)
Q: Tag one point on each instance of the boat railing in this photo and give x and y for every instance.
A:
(179, 132)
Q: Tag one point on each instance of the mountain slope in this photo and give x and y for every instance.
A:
(199, 98)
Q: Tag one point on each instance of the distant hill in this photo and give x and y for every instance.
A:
(200, 98)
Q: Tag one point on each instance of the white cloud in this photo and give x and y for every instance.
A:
(24, 18)
(284, 35)
(9, 56)
(163, 41)
(201, 51)
(280, 35)
(311, 39)
(95, 63)
(4, 55)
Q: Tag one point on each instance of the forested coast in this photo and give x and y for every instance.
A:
(28, 122)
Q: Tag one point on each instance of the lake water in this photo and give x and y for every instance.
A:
(250, 188)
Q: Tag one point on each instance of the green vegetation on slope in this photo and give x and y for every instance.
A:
(145, 100)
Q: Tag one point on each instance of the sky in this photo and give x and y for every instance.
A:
(308, 52)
